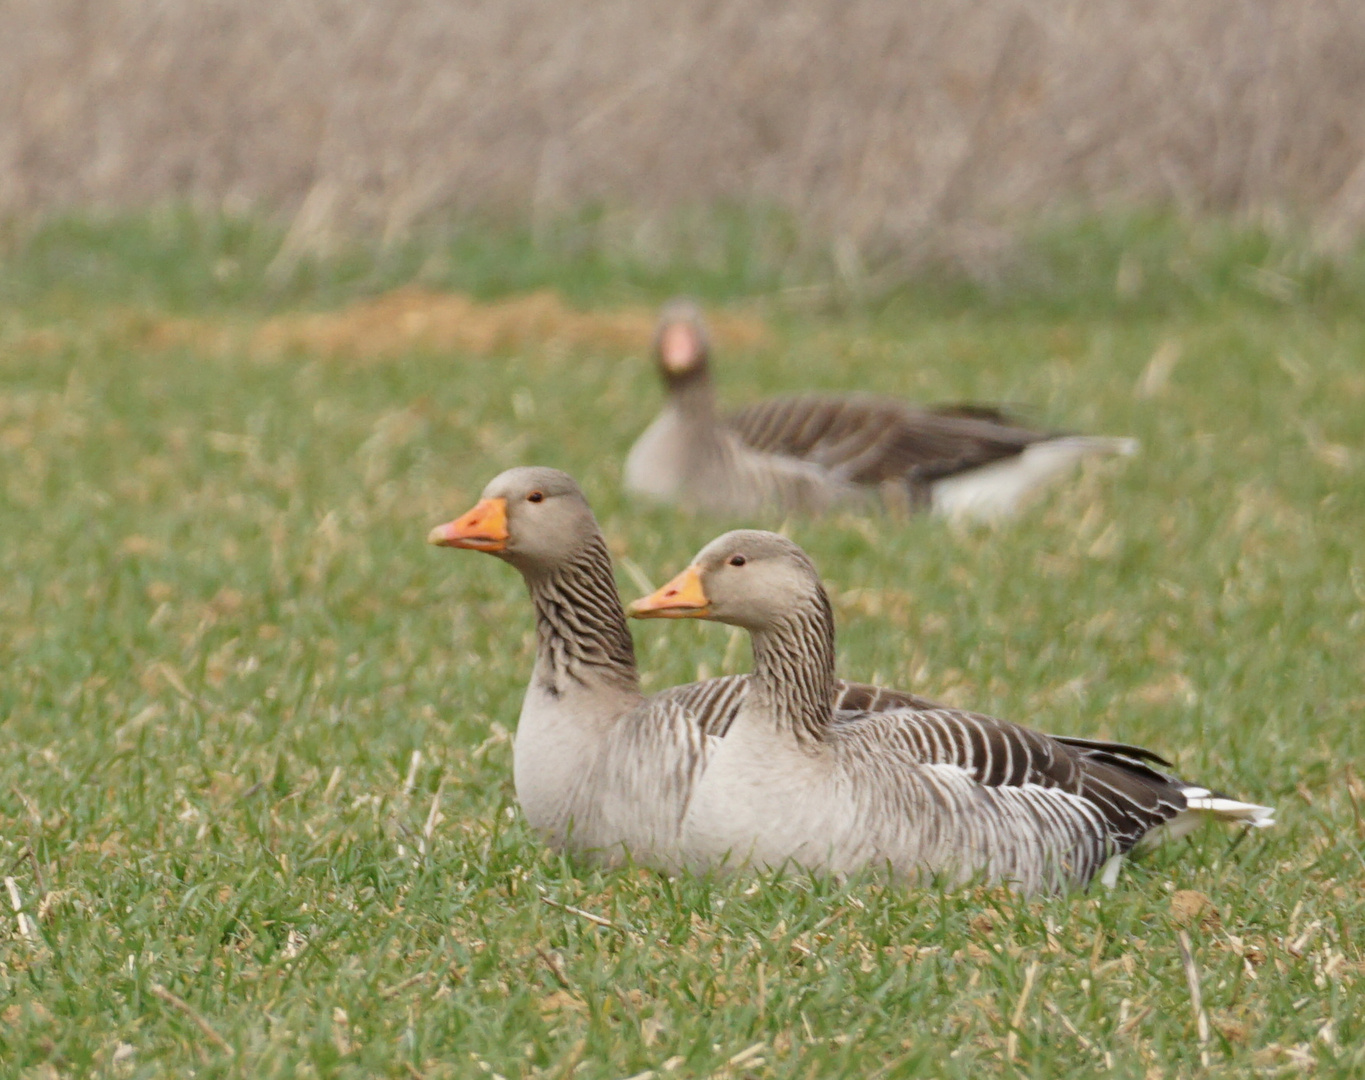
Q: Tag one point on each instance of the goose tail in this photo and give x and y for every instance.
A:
(1203, 805)
(1120, 445)
(1222, 808)
(997, 490)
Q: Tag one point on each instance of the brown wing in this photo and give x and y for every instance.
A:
(867, 440)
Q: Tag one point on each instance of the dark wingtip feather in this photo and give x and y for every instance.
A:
(1122, 749)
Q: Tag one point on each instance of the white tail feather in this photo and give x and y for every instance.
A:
(996, 490)
(1224, 809)
(1202, 805)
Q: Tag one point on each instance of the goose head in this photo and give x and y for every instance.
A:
(681, 343)
(746, 578)
(532, 517)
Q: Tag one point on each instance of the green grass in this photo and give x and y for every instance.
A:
(253, 731)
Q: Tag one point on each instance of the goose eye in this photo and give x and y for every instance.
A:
(536, 496)
(737, 560)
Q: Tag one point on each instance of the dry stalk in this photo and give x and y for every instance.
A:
(203, 1025)
(37, 873)
(1132, 1023)
(751, 1057)
(910, 128)
(598, 919)
(399, 987)
(1070, 1027)
(413, 766)
(1201, 1018)
(1012, 1040)
(556, 966)
(424, 845)
(26, 929)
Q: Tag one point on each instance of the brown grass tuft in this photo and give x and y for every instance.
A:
(1189, 906)
(415, 318)
(387, 326)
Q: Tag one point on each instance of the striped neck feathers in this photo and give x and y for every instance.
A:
(581, 631)
(793, 678)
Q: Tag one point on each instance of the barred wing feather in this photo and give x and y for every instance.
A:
(867, 440)
(714, 702)
(1121, 790)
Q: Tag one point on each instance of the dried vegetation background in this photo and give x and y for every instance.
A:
(883, 126)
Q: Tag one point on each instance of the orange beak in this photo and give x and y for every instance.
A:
(681, 598)
(483, 528)
(678, 347)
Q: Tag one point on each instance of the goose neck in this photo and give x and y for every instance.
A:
(582, 638)
(793, 680)
(693, 396)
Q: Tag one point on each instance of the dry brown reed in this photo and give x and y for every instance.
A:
(883, 126)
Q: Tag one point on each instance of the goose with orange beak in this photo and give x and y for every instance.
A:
(598, 766)
(809, 453)
(589, 747)
(928, 791)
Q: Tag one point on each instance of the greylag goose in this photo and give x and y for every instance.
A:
(923, 790)
(808, 454)
(597, 765)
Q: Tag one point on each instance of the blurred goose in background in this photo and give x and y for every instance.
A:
(597, 765)
(808, 454)
(925, 790)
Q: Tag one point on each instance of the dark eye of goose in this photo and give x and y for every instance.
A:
(536, 496)
(737, 560)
